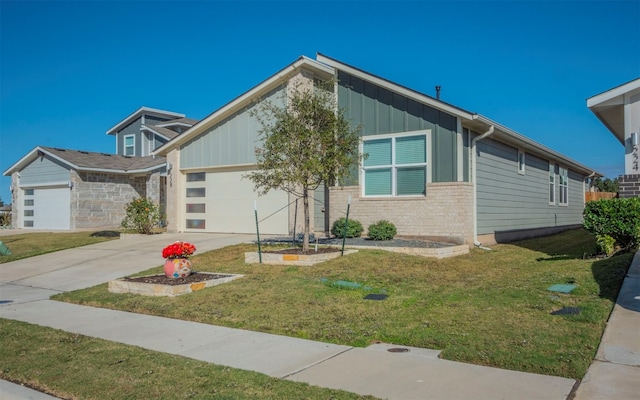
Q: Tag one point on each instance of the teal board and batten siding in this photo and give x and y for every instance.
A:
(43, 171)
(379, 111)
(231, 142)
(510, 201)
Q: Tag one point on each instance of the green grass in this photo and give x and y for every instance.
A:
(488, 307)
(26, 245)
(73, 366)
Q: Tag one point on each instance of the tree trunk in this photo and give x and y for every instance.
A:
(305, 202)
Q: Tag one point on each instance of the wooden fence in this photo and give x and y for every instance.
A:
(593, 196)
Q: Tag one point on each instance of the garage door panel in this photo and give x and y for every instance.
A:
(230, 205)
(52, 208)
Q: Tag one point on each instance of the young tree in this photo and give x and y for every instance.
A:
(306, 143)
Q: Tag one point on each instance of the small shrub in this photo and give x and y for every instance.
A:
(606, 244)
(618, 219)
(142, 215)
(354, 228)
(382, 230)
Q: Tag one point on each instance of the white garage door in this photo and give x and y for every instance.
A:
(51, 208)
(229, 205)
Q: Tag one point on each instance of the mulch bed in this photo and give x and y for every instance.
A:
(163, 280)
(311, 251)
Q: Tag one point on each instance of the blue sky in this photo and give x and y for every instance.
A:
(69, 71)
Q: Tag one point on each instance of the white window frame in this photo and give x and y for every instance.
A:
(552, 184)
(125, 147)
(521, 162)
(426, 133)
(563, 186)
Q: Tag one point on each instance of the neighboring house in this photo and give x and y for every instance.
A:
(619, 111)
(5, 213)
(434, 170)
(66, 189)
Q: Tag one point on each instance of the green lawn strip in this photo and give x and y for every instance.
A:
(488, 307)
(73, 366)
(26, 245)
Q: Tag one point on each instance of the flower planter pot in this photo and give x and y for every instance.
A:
(177, 267)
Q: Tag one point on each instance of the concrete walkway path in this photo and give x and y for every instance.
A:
(26, 285)
(615, 372)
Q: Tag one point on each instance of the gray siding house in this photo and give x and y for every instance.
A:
(434, 170)
(63, 189)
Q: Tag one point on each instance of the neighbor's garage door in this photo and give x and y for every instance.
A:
(229, 205)
(51, 208)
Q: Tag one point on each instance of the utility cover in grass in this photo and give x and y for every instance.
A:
(562, 288)
(567, 311)
(375, 296)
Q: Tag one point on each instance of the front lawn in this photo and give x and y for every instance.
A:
(31, 244)
(487, 307)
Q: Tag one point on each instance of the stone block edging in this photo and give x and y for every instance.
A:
(150, 289)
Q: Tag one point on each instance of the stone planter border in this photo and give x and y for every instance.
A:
(292, 259)
(151, 289)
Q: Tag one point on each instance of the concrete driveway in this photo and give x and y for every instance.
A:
(37, 278)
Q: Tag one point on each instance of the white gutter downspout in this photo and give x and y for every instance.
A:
(475, 182)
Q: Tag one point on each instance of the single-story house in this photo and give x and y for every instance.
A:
(619, 111)
(63, 189)
(434, 169)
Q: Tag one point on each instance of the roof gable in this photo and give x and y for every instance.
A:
(143, 111)
(247, 98)
(90, 161)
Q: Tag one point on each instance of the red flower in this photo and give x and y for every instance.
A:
(178, 250)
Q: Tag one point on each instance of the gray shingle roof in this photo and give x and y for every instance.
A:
(102, 161)
(187, 121)
(166, 132)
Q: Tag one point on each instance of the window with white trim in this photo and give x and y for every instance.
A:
(395, 166)
(552, 184)
(521, 162)
(129, 145)
(563, 184)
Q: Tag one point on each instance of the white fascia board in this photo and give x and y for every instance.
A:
(614, 96)
(520, 141)
(171, 123)
(139, 112)
(121, 171)
(404, 91)
(243, 100)
(46, 184)
(32, 155)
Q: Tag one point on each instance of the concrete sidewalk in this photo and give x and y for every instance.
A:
(413, 374)
(615, 372)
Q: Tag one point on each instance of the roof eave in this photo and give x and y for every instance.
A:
(521, 141)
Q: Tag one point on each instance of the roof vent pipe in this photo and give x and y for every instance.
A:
(438, 87)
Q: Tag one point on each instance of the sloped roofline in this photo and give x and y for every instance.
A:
(245, 99)
(38, 150)
(470, 120)
(329, 66)
(143, 110)
(525, 143)
(394, 87)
